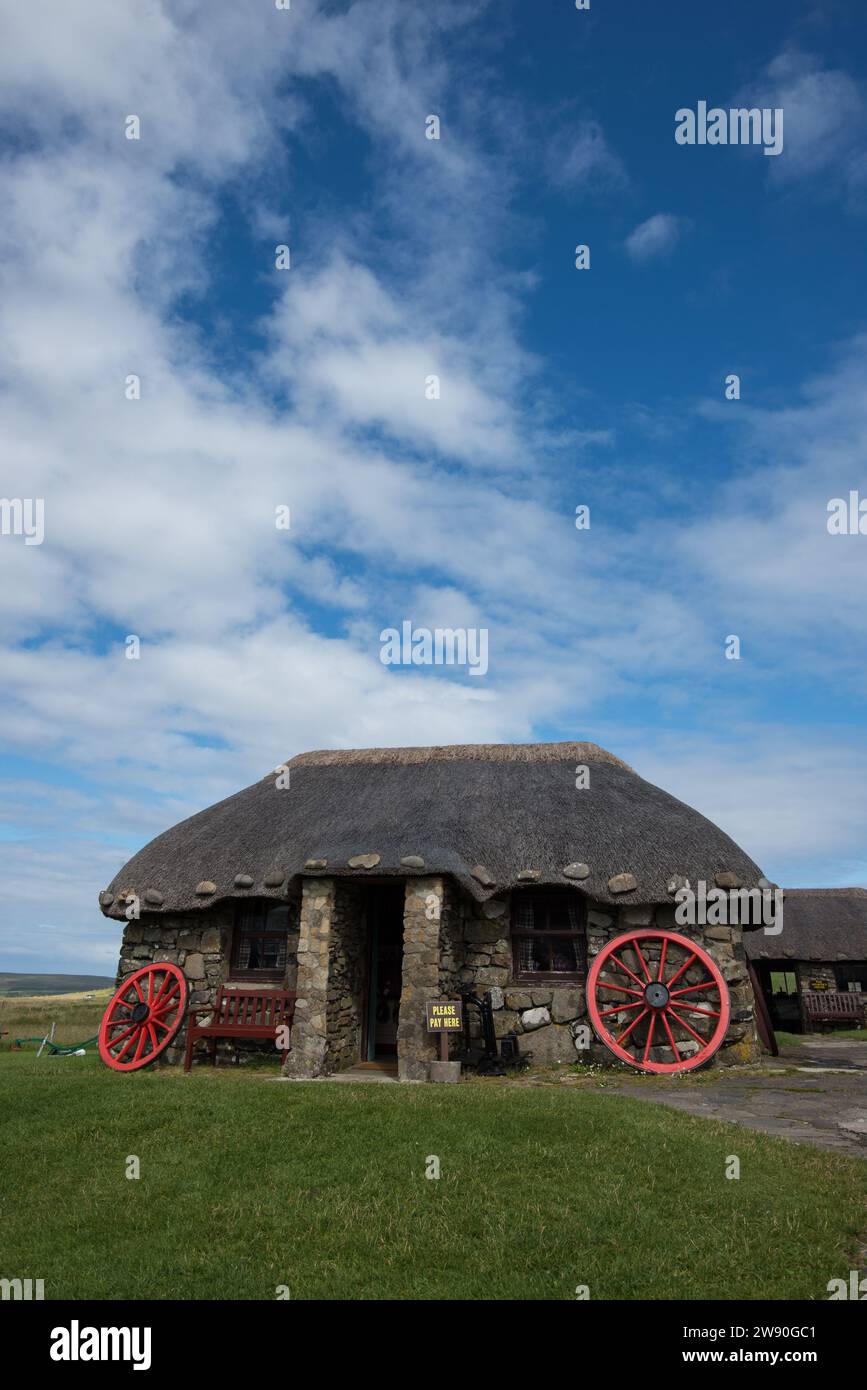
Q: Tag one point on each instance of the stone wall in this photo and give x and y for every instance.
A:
(308, 1054)
(550, 1019)
(200, 943)
(346, 976)
(428, 906)
(332, 946)
(449, 942)
(809, 970)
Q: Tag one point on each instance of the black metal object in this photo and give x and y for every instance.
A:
(483, 1053)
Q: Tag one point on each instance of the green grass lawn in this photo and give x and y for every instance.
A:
(800, 1039)
(248, 1183)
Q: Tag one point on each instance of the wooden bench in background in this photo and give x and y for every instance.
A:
(240, 1013)
(833, 1006)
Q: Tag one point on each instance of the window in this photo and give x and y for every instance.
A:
(783, 982)
(548, 941)
(852, 976)
(259, 945)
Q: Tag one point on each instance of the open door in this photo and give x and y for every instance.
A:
(384, 971)
(763, 1017)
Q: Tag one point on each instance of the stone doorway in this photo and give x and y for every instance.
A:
(383, 911)
(331, 1031)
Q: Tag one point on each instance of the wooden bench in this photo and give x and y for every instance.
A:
(240, 1013)
(833, 1006)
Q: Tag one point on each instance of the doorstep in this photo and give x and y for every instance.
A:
(362, 1071)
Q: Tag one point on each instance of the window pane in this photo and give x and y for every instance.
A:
(524, 915)
(265, 952)
(564, 954)
(526, 958)
(249, 918)
(277, 919)
(261, 932)
(551, 954)
(542, 912)
(562, 915)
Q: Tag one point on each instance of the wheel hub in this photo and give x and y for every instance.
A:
(656, 995)
(140, 1012)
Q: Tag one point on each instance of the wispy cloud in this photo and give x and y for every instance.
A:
(579, 157)
(655, 237)
(825, 122)
(257, 643)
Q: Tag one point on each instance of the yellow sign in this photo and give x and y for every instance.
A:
(444, 1017)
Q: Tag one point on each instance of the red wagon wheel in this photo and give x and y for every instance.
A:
(143, 1017)
(651, 989)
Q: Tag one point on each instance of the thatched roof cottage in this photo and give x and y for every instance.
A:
(373, 880)
(822, 947)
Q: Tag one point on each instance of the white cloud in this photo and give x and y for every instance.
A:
(160, 512)
(350, 349)
(580, 157)
(825, 121)
(658, 236)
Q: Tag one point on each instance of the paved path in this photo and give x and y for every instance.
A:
(822, 1102)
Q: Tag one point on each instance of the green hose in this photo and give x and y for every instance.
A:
(58, 1049)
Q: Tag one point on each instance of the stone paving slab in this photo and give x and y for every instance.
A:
(815, 1094)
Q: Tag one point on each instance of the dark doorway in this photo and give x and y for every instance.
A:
(779, 981)
(384, 970)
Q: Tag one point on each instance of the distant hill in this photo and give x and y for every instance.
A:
(11, 985)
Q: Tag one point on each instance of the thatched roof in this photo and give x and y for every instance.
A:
(489, 816)
(818, 924)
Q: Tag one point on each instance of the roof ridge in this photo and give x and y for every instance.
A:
(461, 752)
(841, 892)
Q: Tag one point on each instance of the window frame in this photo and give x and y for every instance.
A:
(577, 934)
(239, 933)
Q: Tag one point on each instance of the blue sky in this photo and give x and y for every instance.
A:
(305, 388)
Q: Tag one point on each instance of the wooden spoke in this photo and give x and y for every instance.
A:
(662, 955)
(637, 949)
(634, 1024)
(683, 1023)
(672, 1044)
(690, 989)
(621, 1008)
(683, 968)
(621, 989)
(627, 971)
